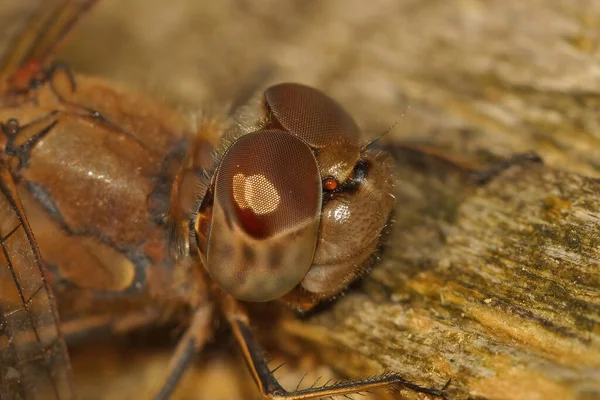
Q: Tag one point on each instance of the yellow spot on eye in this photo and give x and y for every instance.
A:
(255, 192)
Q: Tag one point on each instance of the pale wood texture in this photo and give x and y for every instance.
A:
(496, 288)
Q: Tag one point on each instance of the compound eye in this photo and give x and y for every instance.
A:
(267, 205)
(310, 114)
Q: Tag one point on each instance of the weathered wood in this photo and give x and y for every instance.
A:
(496, 288)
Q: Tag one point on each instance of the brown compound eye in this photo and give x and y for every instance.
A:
(267, 205)
(310, 114)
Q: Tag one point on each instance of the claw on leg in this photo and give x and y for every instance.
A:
(270, 387)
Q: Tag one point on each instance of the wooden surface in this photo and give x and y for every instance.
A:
(496, 288)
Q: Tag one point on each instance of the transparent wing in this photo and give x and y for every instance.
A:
(33, 30)
(34, 363)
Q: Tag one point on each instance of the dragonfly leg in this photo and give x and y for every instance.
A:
(271, 389)
(189, 345)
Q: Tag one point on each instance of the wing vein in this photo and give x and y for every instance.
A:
(33, 321)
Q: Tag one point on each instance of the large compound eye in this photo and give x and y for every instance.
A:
(310, 114)
(267, 205)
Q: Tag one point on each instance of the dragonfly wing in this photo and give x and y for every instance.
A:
(36, 30)
(34, 363)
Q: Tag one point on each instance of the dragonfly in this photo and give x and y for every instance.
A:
(115, 215)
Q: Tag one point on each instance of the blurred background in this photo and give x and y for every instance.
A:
(476, 78)
(467, 75)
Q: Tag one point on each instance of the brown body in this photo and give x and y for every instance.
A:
(97, 190)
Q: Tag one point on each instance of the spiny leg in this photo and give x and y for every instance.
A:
(271, 389)
(189, 345)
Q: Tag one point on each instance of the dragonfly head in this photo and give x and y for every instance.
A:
(297, 203)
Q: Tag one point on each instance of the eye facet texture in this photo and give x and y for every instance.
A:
(266, 216)
(311, 115)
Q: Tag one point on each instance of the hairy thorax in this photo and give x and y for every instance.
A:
(107, 178)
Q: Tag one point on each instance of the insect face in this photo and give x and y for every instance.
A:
(296, 202)
(265, 219)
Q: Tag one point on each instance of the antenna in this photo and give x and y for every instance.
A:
(371, 142)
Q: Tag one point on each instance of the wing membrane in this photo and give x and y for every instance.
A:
(34, 363)
(45, 31)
